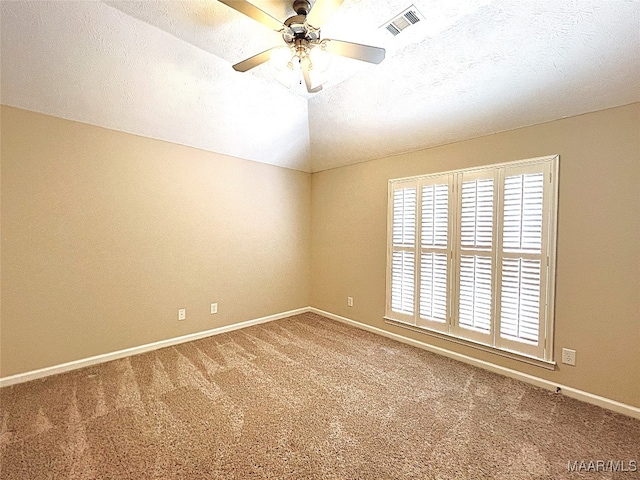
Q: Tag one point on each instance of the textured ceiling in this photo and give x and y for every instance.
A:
(162, 69)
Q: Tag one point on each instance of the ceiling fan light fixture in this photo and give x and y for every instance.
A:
(320, 58)
(305, 55)
(280, 58)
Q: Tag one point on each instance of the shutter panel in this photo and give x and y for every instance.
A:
(402, 282)
(404, 217)
(523, 213)
(403, 246)
(520, 302)
(476, 258)
(435, 216)
(521, 257)
(475, 293)
(434, 243)
(433, 286)
(476, 228)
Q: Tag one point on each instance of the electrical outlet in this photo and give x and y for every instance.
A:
(182, 314)
(214, 308)
(569, 356)
(350, 301)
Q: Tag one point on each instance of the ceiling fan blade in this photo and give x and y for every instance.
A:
(250, 10)
(254, 61)
(321, 11)
(305, 64)
(366, 53)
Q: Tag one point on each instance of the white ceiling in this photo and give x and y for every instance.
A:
(162, 69)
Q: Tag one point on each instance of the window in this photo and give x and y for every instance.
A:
(472, 255)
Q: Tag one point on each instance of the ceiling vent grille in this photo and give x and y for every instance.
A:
(409, 17)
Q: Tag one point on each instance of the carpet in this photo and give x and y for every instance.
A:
(303, 398)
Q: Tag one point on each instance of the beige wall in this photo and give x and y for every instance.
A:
(598, 258)
(105, 235)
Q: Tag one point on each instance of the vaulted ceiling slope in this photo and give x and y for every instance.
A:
(90, 62)
(162, 69)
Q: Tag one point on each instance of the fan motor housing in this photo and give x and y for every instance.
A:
(301, 7)
(297, 29)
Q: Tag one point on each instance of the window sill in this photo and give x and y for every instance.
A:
(549, 365)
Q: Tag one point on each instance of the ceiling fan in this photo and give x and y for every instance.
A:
(305, 50)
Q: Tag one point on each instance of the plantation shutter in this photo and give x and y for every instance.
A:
(434, 252)
(471, 255)
(475, 254)
(523, 259)
(403, 255)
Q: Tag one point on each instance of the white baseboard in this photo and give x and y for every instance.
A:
(603, 402)
(107, 357)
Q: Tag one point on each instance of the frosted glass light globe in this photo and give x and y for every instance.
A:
(320, 58)
(280, 58)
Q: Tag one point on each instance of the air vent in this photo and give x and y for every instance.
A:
(407, 18)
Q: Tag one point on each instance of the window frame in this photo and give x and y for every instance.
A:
(493, 341)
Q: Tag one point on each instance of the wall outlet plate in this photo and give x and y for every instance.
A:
(569, 356)
(350, 301)
(214, 308)
(182, 314)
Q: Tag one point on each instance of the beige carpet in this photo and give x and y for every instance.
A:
(301, 398)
